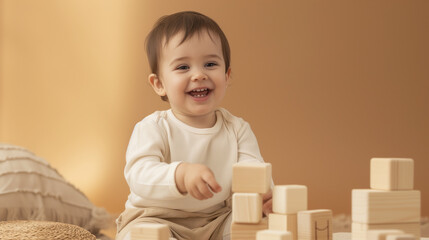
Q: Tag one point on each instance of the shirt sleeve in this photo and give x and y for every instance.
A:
(147, 173)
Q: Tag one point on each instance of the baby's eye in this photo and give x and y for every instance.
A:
(211, 64)
(182, 67)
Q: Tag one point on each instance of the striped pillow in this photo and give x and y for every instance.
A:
(30, 189)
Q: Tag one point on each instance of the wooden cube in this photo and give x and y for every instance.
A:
(392, 173)
(380, 206)
(401, 237)
(283, 222)
(251, 177)
(289, 199)
(360, 230)
(315, 225)
(240, 231)
(150, 231)
(273, 235)
(381, 234)
(246, 207)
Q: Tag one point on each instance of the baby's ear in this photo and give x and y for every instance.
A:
(156, 84)
(228, 75)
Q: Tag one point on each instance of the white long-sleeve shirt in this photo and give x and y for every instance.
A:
(160, 142)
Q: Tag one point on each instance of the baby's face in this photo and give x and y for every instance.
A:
(193, 75)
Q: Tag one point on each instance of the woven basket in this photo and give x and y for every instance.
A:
(42, 230)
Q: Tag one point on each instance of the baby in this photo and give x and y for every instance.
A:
(179, 161)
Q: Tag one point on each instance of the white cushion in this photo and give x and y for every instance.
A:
(30, 189)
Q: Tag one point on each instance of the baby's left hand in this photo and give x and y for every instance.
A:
(267, 203)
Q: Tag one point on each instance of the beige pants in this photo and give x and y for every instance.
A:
(183, 225)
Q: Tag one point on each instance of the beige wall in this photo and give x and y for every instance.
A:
(325, 85)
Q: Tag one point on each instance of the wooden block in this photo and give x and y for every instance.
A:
(289, 199)
(246, 207)
(283, 222)
(392, 173)
(380, 206)
(315, 225)
(273, 235)
(241, 231)
(401, 237)
(150, 231)
(359, 230)
(251, 177)
(381, 234)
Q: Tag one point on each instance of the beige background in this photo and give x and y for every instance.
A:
(325, 85)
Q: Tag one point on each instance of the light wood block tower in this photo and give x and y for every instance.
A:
(288, 200)
(249, 181)
(391, 203)
(290, 215)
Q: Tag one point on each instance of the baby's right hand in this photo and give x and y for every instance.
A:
(197, 180)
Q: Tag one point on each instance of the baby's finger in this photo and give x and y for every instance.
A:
(196, 193)
(267, 196)
(267, 207)
(204, 190)
(211, 181)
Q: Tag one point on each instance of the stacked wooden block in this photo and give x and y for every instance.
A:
(391, 203)
(290, 215)
(288, 200)
(273, 235)
(249, 182)
(150, 231)
(315, 225)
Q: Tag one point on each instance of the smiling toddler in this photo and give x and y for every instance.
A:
(179, 161)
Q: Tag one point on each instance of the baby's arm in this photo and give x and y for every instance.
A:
(151, 178)
(197, 180)
(147, 172)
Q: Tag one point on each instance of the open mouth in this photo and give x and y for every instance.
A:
(199, 93)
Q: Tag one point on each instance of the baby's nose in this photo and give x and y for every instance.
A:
(199, 75)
